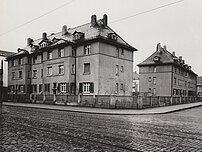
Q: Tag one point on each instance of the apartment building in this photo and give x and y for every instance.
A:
(165, 74)
(89, 59)
(199, 86)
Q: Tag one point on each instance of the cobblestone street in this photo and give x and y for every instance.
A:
(28, 130)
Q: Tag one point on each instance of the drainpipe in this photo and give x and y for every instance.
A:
(75, 72)
(1, 81)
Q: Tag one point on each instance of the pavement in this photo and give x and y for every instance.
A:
(156, 110)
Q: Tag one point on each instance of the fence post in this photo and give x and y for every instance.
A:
(171, 100)
(44, 98)
(139, 102)
(151, 101)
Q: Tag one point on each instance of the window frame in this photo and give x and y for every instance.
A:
(34, 76)
(61, 52)
(87, 49)
(60, 69)
(49, 55)
(50, 71)
(84, 65)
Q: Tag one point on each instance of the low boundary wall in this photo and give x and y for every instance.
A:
(103, 101)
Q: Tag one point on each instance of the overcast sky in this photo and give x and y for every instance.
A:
(178, 26)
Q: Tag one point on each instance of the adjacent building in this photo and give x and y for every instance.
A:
(165, 74)
(135, 83)
(89, 59)
(199, 86)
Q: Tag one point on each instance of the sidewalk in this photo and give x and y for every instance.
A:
(157, 110)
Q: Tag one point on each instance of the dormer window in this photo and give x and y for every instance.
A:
(78, 36)
(113, 36)
(156, 59)
(44, 44)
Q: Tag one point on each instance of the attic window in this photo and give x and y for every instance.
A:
(78, 36)
(156, 59)
(44, 44)
(113, 36)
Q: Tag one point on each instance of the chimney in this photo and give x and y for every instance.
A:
(165, 47)
(1, 64)
(93, 20)
(64, 29)
(29, 41)
(44, 36)
(173, 53)
(158, 48)
(105, 20)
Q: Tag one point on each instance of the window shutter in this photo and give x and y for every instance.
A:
(80, 87)
(67, 87)
(23, 88)
(91, 87)
(58, 88)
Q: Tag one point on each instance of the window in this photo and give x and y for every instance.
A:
(73, 69)
(20, 74)
(185, 83)
(117, 88)
(13, 75)
(41, 73)
(41, 57)
(117, 51)
(87, 49)
(34, 88)
(34, 59)
(154, 80)
(154, 91)
(28, 74)
(47, 87)
(175, 70)
(73, 52)
(122, 51)
(49, 55)
(149, 90)
(154, 70)
(86, 87)
(21, 88)
(20, 61)
(34, 73)
(122, 70)
(61, 69)
(122, 86)
(175, 81)
(86, 68)
(61, 52)
(40, 88)
(50, 71)
(13, 63)
(63, 87)
(150, 79)
(117, 69)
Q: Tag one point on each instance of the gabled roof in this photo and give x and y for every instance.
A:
(21, 52)
(5, 53)
(162, 56)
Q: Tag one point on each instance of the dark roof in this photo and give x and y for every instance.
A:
(162, 56)
(199, 80)
(97, 31)
(21, 52)
(5, 53)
